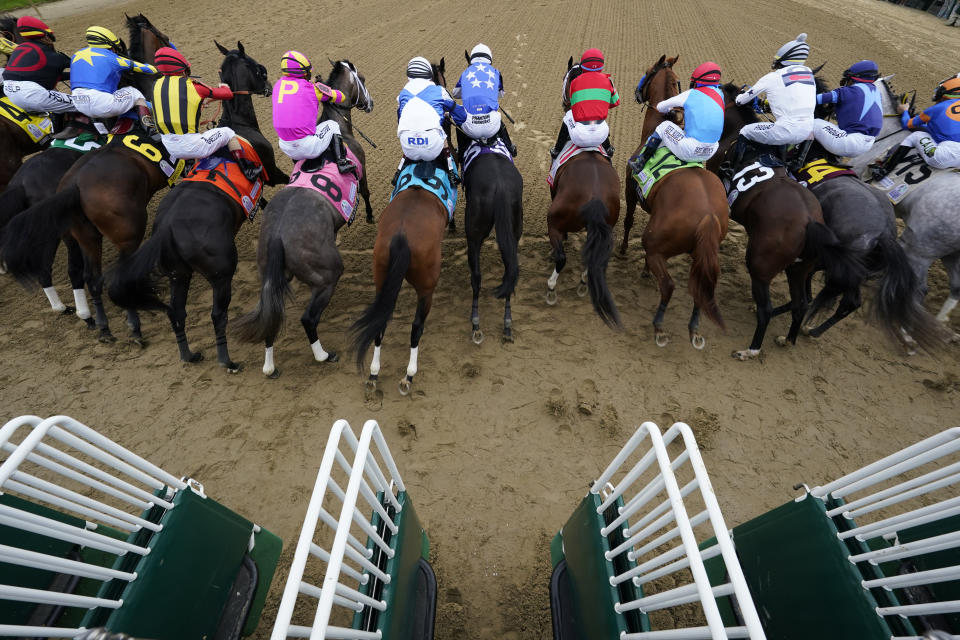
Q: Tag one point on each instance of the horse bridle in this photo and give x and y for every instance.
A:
(643, 85)
(361, 90)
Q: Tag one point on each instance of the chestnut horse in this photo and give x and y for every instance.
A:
(688, 214)
(409, 233)
(785, 230)
(585, 194)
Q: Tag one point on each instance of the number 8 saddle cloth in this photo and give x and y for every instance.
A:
(322, 176)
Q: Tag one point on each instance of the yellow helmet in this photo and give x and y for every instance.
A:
(102, 38)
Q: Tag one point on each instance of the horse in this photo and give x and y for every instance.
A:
(407, 247)
(38, 177)
(863, 219)
(585, 194)
(931, 217)
(785, 230)
(688, 214)
(195, 227)
(298, 237)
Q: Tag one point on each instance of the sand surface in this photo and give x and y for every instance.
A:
(498, 442)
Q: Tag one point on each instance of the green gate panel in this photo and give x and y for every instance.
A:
(265, 554)
(801, 579)
(940, 591)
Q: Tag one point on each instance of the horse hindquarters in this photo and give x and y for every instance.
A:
(373, 322)
(595, 256)
(133, 286)
(843, 267)
(30, 235)
(264, 323)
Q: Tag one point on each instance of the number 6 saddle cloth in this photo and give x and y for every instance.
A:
(36, 125)
(659, 165)
(322, 176)
(430, 176)
(154, 151)
(226, 175)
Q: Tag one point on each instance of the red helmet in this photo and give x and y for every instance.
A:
(707, 73)
(30, 28)
(592, 60)
(171, 62)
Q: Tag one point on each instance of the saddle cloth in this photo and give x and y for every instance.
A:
(36, 125)
(820, 170)
(660, 164)
(909, 173)
(429, 176)
(476, 149)
(227, 176)
(83, 143)
(153, 151)
(322, 176)
(569, 150)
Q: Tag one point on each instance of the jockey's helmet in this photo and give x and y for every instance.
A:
(481, 51)
(863, 71)
(948, 90)
(30, 28)
(592, 60)
(102, 38)
(707, 74)
(419, 67)
(294, 63)
(794, 52)
(171, 62)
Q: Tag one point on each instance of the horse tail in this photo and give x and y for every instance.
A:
(596, 255)
(31, 236)
(897, 303)
(132, 285)
(843, 267)
(12, 201)
(267, 318)
(706, 268)
(373, 322)
(503, 223)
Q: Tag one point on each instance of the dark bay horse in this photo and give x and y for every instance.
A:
(863, 218)
(585, 194)
(104, 193)
(195, 227)
(494, 192)
(785, 230)
(298, 236)
(407, 247)
(38, 177)
(688, 214)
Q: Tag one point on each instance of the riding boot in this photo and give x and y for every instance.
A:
(250, 169)
(146, 119)
(505, 136)
(452, 168)
(637, 163)
(344, 165)
(562, 139)
(879, 171)
(607, 148)
(396, 176)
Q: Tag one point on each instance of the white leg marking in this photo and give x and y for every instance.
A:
(268, 366)
(552, 280)
(318, 353)
(375, 363)
(54, 299)
(412, 366)
(948, 305)
(80, 301)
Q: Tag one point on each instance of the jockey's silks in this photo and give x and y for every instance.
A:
(100, 69)
(941, 121)
(296, 105)
(592, 95)
(176, 105)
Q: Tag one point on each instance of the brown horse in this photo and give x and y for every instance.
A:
(688, 214)
(14, 141)
(785, 230)
(409, 233)
(585, 194)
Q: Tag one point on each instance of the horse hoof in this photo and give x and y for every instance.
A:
(661, 338)
(370, 386)
(106, 337)
(582, 289)
(232, 367)
(273, 375)
(195, 357)
(404, 386)
(140, 341)
(781, 341)
(477, 336)
(551, 297)
(507, 336)
(332, 356)
(67, 310)
(698, 342)
(89, 321)
(746, 354)
(370, 219)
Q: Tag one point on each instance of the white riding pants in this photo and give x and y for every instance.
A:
(190, 146)
(311, 146)
(482, 125)
(422, 145)
(586, 134)
(100, 104)
(32, 97)
(683, 146)
(946, 155)
(839, 142)
(783, 131)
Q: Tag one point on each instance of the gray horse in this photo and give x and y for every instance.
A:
(298, 238)
(929, 209)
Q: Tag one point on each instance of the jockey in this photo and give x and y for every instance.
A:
(591, 96)
(176, 101)
(421, 106)
(481, 87)
(859, 113)
(95, 73)
(296, 110)
(936, 132)
(35, 68)
(792, 95)
(702, 107)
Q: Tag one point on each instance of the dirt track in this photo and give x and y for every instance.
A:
(498, 442)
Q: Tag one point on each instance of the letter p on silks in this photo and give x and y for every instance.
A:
(287, 87)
